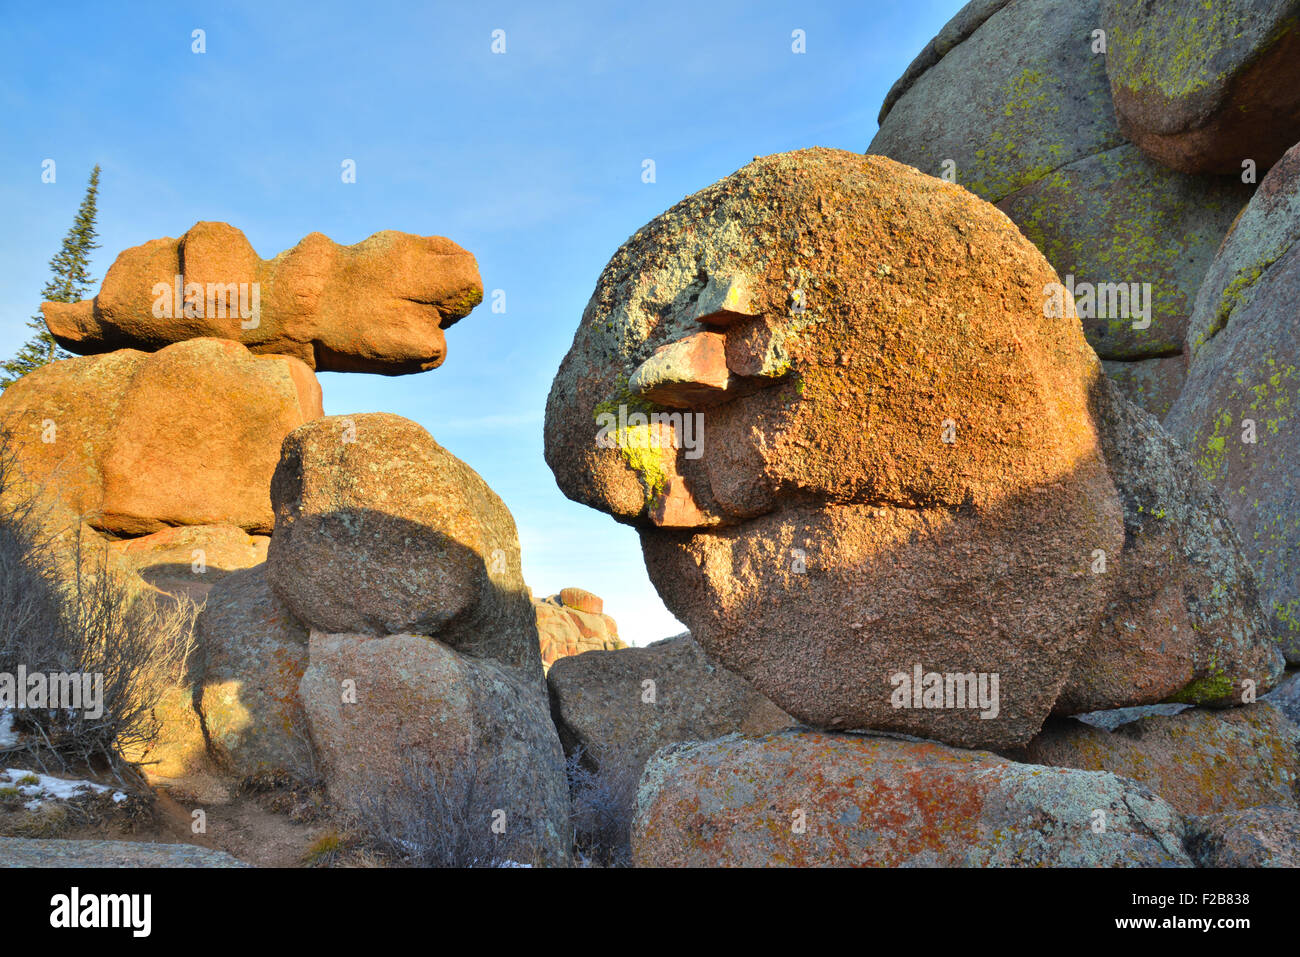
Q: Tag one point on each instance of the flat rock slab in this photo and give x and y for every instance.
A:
(801, 798)
(23, 852)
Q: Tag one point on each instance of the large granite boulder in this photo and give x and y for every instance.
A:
(565, 629)
(1200, 761)
(1236, 414)
(1203, 87)
(136, 443)
(899, 510)
(619, 707)
(377, 704)
(250, 657)
(379, 530)
(380, 305)
(801, 798)
(189, 559)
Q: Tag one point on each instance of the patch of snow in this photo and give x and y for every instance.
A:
(8, 736)
(50, 788)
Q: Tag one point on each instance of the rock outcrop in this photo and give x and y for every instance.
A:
(1236, 415)
(1200, 89)
(1255, 837)
(24, 852)
(378, 306)
(798, 798)
(138, 442)
(1014, 103)
(572, 622)
(381, 531)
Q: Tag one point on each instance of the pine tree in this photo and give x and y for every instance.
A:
(70, 282)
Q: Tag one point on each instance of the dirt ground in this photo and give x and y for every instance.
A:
(270, 827)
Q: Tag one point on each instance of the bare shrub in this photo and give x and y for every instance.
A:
(81, 617)
(443, 817)
(30, 604)
(603, 802)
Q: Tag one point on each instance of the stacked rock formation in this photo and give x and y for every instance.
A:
(308, 302)
(909, 500)
(422, 662)
(1104, 129)
(571, 622)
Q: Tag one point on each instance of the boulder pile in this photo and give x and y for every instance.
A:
(364, 621)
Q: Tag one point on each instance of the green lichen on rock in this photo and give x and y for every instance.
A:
(643, 457)
(638, 444)
(1215, 686)
(1210, 461)
(1000, 168)
(624, 397)
(1120, 218)
(1175, 50)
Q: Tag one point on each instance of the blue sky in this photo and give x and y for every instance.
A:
(532, 160)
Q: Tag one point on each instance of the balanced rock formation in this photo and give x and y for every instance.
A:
(1237, 413)
(572, 622)
(250, 657)
(619, 707)
(1013, 102)
(900, 528)
(1201, 762)
(378, 306)
(380, 531)
(395, 714)
(1255, 837)
(1201, 89)
(137, 442)
(800, 798)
